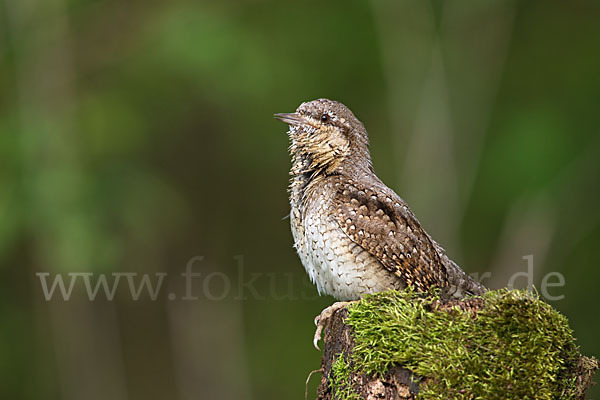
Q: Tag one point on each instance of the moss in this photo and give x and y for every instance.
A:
(514, 347)
(340, 380)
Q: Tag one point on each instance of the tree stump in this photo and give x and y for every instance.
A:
(344, 363)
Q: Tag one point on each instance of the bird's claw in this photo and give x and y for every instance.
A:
(323, 318)
(317, 337)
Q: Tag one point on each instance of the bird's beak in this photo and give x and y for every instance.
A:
(291, 118)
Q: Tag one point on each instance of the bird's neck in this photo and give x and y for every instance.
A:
(306, 176)
(303, 174)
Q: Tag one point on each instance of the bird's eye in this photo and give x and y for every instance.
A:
(324, 118)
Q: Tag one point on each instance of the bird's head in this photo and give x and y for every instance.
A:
(325, 137)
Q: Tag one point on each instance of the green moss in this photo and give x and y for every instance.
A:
(340, 381)
(515, 347)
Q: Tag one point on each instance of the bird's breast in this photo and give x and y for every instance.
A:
(335, 264)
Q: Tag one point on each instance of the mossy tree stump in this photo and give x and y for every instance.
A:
(503, 345)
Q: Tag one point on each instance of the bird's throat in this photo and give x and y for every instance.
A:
(305, 174)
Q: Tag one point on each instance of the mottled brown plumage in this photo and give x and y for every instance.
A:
(380, 222)
(355, 235)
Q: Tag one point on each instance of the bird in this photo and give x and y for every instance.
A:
(354, 235)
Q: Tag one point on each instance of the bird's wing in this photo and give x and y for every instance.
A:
(379, 221)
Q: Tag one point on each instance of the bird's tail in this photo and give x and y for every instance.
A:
(459, 284)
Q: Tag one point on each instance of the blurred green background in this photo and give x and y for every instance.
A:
(136, 135)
